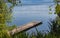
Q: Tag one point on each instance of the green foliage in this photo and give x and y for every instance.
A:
(58, 19)
(5, 17)
(21, 35)
(4, 31)
(57, 8)
(55, 28)
(3, 27)
(6, 14)
(5, 11)
(11, 27)
(4, 34)
(14, 2)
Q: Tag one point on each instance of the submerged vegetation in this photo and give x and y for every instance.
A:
(6, 15)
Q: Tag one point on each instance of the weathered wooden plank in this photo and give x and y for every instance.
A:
(24, 27)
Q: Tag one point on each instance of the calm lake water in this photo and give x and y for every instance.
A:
(27, 13)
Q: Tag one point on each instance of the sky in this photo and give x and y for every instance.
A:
(35, 1)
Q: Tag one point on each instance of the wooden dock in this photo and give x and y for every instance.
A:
(24, 27)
